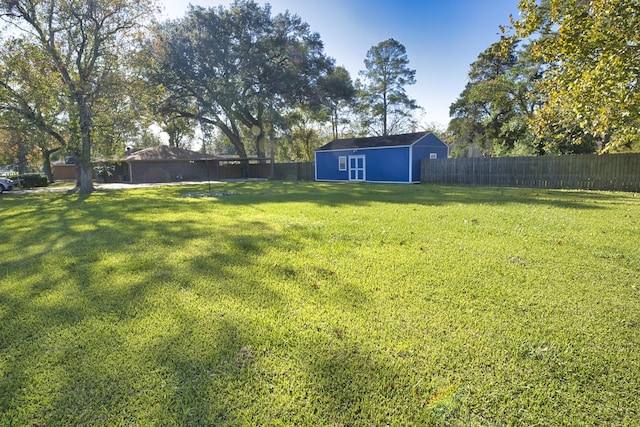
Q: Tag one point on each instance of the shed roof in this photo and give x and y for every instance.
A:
(374, 141)
(165, 153)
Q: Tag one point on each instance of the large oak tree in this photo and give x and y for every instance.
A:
(76, 87)
(237, 68)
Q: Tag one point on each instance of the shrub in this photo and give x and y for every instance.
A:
(31, 180)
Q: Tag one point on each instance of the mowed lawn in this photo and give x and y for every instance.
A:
(320, 304)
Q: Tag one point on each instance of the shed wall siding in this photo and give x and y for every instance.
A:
(388, 164)
(327, 166)
(423, 149)
(385, 164)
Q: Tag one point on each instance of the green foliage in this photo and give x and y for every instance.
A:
(337, 93)
(304, 134)
(320, 304)
(383, 102)
(591, 84)
(237, 68)
(31, 111)
(31, 180)
(493, 111)
(181, 131)
(66, 70)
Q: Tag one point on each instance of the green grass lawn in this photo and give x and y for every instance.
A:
(320, 304)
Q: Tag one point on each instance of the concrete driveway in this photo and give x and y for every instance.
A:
(107, 186)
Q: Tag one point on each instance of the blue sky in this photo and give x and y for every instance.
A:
(442, 37)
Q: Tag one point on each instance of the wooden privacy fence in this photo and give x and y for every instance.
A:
(294, 171)
(229, 169)
(584, 171)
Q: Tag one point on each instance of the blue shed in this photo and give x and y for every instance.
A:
(387, 159)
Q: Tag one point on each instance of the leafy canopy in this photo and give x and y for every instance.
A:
(490, 111)
(238, 68)
(495, 112)
(76, 84)
(592, 49)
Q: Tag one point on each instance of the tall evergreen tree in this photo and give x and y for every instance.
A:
(337, 92)
(492, 110)
(383, 102)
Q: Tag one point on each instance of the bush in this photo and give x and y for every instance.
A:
(30, 180)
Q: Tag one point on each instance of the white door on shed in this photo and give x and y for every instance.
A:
(357, 168)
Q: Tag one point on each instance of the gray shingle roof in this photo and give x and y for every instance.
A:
(166, 153)
(374, 141)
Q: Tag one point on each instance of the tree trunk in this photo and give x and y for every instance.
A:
(46, 155)
(22, 159)
(85, 175)
(385, 112)
(233, 136)
(84, 170)
(239, 146)
(260, 149)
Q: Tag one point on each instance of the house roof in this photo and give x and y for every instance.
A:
(374, 141)
(165, 153)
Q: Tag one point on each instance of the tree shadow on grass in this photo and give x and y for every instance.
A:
(96, 327)
(111, 317)
(363, 194)
(109, 322)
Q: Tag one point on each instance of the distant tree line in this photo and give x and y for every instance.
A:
(87, 79)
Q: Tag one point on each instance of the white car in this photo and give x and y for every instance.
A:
(5, 185)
